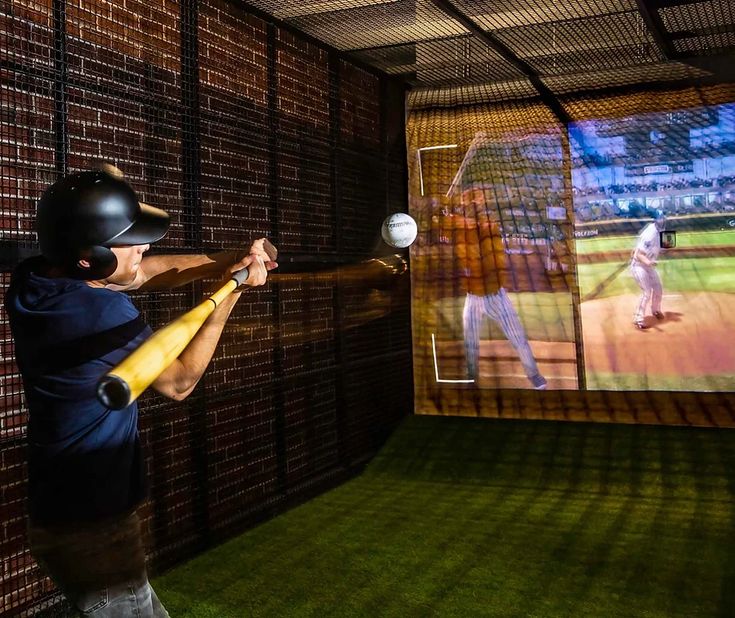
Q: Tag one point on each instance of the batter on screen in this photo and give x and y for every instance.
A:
(643, 268)
(486, 270)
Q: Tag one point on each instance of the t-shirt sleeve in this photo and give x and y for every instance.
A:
(123, 329)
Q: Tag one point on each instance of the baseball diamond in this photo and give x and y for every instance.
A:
(686, 349)
(686, 344)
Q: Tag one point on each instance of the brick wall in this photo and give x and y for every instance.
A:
(239, 128)
(27, 165)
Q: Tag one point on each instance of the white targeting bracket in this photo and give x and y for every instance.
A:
(424, 149)
(436, 367)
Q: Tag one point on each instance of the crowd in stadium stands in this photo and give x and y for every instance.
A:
(647, 153)
(603, 210)
(517, 229)
(654, 187)
(526, 204)
(659, 153)
(596, 211)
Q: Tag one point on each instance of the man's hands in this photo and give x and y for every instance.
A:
(180, 378)
(259, 260)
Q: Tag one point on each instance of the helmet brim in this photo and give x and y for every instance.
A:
(150, 225)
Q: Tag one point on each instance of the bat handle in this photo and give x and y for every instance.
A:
(240, 276)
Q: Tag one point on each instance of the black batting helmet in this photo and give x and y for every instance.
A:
(83, 214)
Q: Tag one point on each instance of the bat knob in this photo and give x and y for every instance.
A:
(113, 392)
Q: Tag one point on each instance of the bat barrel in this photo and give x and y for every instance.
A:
(114, 392)
(124, 384)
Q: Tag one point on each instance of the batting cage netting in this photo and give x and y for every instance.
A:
(570, 166)
(239, 127)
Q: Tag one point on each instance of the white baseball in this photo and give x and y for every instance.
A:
(399, 230)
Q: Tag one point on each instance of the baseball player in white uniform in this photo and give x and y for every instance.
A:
(643, 268)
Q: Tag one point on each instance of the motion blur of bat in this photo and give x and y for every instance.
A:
(369, 288)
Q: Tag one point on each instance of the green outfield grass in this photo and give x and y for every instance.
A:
(478, 517)
(545, 316)
(636, 382)
(683, 239)
(678, 275)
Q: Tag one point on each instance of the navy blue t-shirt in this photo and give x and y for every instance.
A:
(85, 461)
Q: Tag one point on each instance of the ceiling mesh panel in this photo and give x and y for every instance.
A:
(446, 45)
(359, 25)
(688, 17)
(469, 94)
(510, 13)
(586, 44)
(706, 44)
(460, 59)
(617, 78)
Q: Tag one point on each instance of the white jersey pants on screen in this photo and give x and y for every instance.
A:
(499, 308)
(651, 289)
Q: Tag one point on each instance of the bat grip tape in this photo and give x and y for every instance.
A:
(240, 276)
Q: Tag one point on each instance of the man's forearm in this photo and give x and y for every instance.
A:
(183, 375)
(163, 272)
(180, 378)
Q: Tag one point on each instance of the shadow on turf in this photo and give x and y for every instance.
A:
(480, 517)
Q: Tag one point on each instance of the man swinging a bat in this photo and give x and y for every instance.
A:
(71, 324)
(485, 274)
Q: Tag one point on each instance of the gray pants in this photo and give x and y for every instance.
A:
(498, 308)
(651, 289)
(99, 566)
(135, 598)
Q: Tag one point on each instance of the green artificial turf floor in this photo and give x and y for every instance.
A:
(478, 517)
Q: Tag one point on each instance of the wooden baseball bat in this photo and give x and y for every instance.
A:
(125, 383)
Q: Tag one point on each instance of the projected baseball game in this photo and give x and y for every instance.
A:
(656, 316)
(641, 223)
(491, 266)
